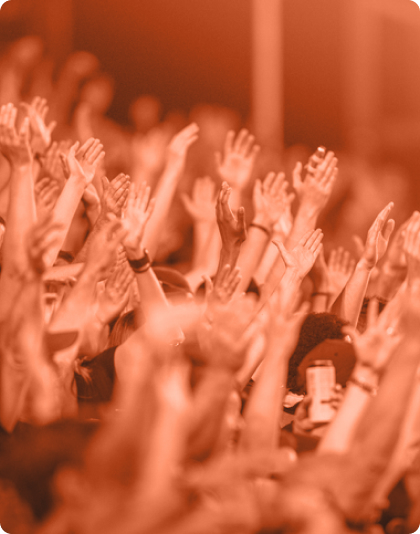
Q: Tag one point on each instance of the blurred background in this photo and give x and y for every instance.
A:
(298, 73)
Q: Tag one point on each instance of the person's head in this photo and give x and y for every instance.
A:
(98, 93)
(125, 325)
(316, 328)
(145, 113)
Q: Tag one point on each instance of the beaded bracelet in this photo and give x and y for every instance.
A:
(372, 390)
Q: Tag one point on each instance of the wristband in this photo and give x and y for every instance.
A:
(372, 390)
(142, 265)
(321, 293)
(262, 228)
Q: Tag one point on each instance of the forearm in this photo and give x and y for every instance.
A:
(210, 398)
(349, 304)
(75, 309)
(250, 255)
(340, 433)
(377, 433)
(389, 282)
(165, 192)
(262, 414)
(229, 255)
(203, 240)
(21, 340)
(64, 212)
(305, 220)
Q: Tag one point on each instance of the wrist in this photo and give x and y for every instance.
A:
(308, 209)
(262, 220)
(366, 373)
(365, 265)
(262, 226)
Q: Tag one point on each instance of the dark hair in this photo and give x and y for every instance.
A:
(316, 328)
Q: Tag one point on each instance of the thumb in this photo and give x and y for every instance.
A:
(389, 228)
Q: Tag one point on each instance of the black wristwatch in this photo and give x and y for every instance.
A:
(142, 265)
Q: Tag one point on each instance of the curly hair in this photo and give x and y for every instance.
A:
(316, 328)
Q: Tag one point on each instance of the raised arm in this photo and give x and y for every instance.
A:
(268, 202)
(349, 304)
(79, 168)
(21, 213)
(313, 194)
(167, 185)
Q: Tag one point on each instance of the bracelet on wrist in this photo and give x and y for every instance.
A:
(368, 388)
(262, 228)
(321, 293)
(141, 265)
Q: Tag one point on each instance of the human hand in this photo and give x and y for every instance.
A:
(319, 274)
(201, 205)
(135, 218)
(232, 229)
(82, 162)
(284, 225)
(224, 342)
(113, 299)
(315, 190)
(46, 194)
(51, 163)
(411, 247)
(302, 424)
(238, 160)
(179, 145)
(301, 259)
(14, 146)
(43, 238)
(40, 133)
(377, 344)
(223, 289)
(115, 194)
(270, 200)
(340, 268)
(378, 238)
(103, 248)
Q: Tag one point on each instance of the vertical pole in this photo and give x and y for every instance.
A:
(361, 76)
(267, 72)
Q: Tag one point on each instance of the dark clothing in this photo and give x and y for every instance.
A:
(98, 389)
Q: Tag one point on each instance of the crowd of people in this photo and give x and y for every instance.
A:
(164, 289)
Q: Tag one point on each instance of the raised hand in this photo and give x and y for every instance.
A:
(270, 200)
(41, 239)
(51, 164)
(232, 229)
(135, 218)
(224, 287)
(40, 133)
(103, 247)
(303, 256)
(46, 193)
(315, 190)
(238, 160)
(377, 344)
(82, 162)
(14, 146)
(340, 267)
(179, 145)
(113, 299)
(115, 194)
(200, 206)
(225, 341)
(378, 238)
(412, 247)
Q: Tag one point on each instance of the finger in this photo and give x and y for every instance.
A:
(241, 219)
(242, 136)
(297, 176)
(313, 240)
(247, 145)
(229, 142)
(268, 182)
(389, 228)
